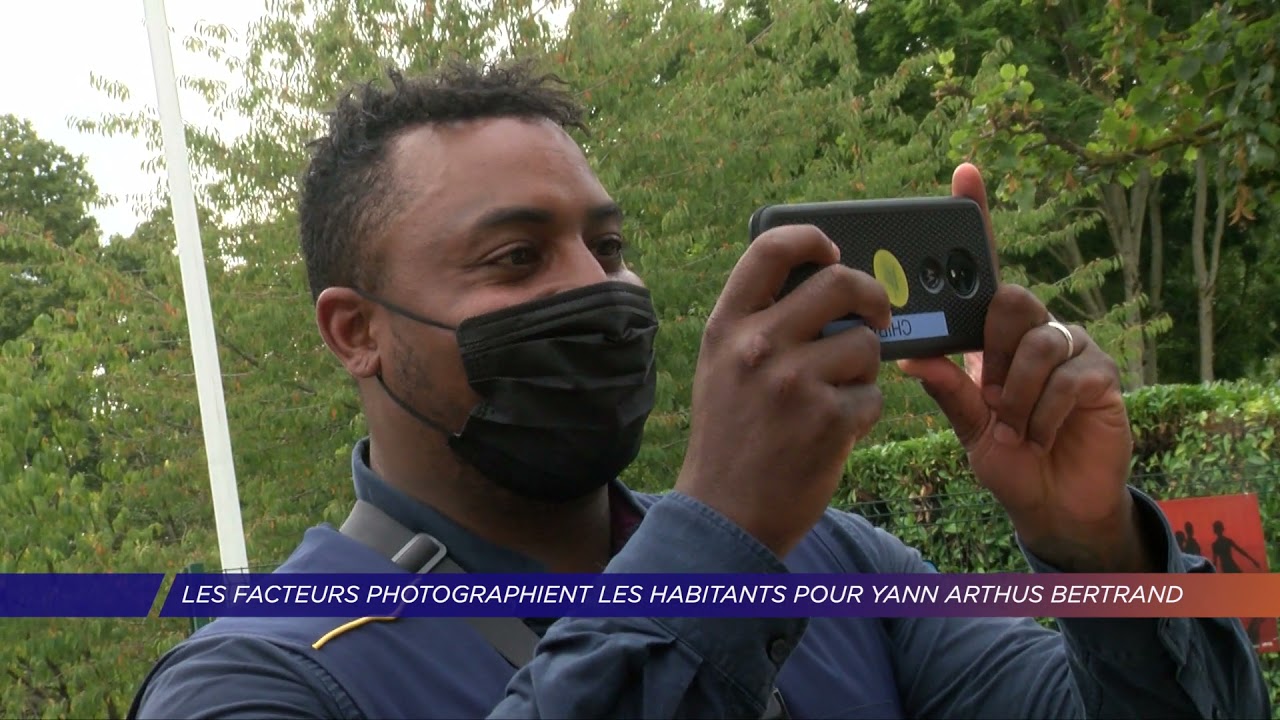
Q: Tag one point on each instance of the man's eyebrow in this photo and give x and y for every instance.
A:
(602, 213)
(532, 215)
(513, 216)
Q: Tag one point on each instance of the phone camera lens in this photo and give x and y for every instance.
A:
(962, 273)
(931, 275)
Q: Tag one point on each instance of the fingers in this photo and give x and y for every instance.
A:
(822, 377)
(1090, 379)
(830, 294)
(819, 376)
(956, 394)
(862, 406)
(1041, 352)
(966, 181)
(848, 357)
(763, 268)
(1053, 407)
(833, 292)
(1032, 376)
(1014, 312)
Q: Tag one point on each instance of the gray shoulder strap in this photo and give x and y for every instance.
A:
(422, 553)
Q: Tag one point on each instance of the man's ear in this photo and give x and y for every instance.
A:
(346, 324)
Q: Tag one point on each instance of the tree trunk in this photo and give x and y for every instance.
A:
(1125, 214)
(1094, 302)
(1155, 289)
(1206, 264)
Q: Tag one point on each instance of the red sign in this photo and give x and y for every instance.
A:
(1226, 529)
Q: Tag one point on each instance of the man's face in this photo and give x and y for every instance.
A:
(490, 214)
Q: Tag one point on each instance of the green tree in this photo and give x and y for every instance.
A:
(1246, 288)
(48, 186)
(932, 54)
(1161, 94)
(699, 113)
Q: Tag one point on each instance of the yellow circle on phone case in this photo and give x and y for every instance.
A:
(889, 272)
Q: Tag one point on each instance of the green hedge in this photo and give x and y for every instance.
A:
(1190, 440)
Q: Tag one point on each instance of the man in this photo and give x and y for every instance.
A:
(468, 272)
(1193, 545)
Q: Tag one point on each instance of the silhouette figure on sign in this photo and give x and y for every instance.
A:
(1181, 537)
(1223, 548)
(1193, 546)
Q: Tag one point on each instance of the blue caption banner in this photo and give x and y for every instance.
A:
(447, 595)
(650, 595)
(57, 595)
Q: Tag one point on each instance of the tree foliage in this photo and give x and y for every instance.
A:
(44, 190)
(1130, 94)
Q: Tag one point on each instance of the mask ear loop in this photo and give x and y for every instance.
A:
(405, 312)
(414, 413)
(402, 311)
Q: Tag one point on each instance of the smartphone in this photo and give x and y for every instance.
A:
(933, 255)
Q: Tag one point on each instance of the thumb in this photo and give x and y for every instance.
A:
(955, 392)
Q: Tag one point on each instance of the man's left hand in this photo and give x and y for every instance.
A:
(1045, 427)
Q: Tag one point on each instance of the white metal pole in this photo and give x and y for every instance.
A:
(195, 289)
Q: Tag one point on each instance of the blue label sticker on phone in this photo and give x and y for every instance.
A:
(917, 326)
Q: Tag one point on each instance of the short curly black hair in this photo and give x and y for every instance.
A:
(347, 194)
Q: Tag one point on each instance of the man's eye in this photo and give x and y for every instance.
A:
(520, 256)
(609, 247)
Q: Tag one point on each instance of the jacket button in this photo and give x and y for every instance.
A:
(779, 648)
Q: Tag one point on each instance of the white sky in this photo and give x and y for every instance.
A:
(48, 48)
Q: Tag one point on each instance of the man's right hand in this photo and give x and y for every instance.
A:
(777, 408)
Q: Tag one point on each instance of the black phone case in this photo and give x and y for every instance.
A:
(928, 239)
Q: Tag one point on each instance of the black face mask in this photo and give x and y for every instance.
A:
(567, 383)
